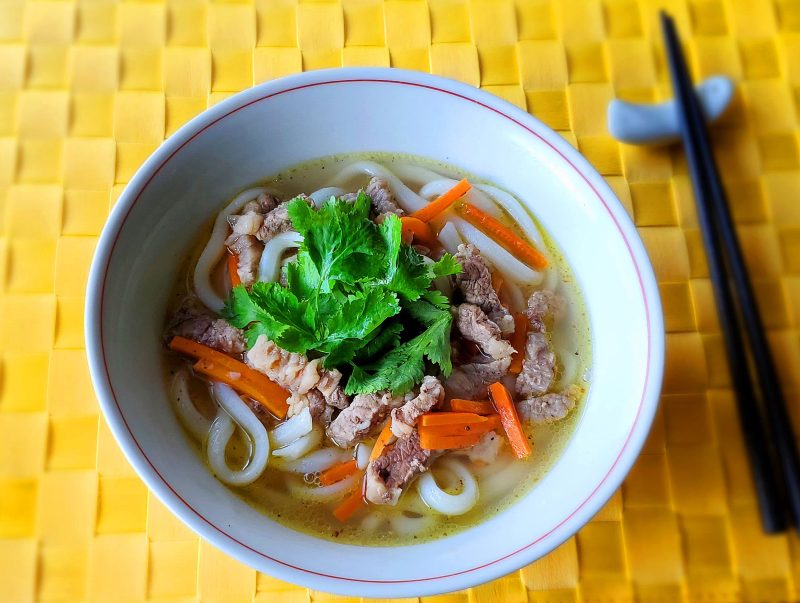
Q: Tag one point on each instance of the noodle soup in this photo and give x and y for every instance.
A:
(379, 368)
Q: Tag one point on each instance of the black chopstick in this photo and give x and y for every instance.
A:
(738, 311)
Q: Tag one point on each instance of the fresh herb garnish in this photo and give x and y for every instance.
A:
(351, 294)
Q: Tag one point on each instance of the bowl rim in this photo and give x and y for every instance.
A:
(145, 468)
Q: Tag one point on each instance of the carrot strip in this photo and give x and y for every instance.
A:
(449, 418)
(262, 391)
(510, 419)
(440, 205)
(186, 346)
(518, 341)
(415, 230)
(265, 391)
(348, 507)
(337, 473)
(479, 408)
(233, 269)
(434, 441)
(385, 438)
(503, 235)
(460, 429)
(497, 281)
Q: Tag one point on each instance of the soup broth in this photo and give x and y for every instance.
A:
(284, 492)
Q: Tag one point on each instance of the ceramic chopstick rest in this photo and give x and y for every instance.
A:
(658, 124)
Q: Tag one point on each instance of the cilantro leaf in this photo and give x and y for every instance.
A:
(339, 238)
(428, 308)
(271, 310)
(241, 311)
(404, 366)
(446, 266)
(350, 277)
(349, 329)
(387, 337)
(413, 276)
(391, 230)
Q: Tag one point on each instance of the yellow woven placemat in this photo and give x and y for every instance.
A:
(89, 88)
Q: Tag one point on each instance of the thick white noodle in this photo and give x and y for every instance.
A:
(550, 282)
(449, 238)
(215, 248)
(476, 197)
(322, 493)
(406, 198)
(291, 429)
(501, 481)
(443, 502)
(402, 525)
(515, 296)
(233, 408)
(481, 472)
(319, 197)
(511, 267)
(192, 419)
(416, 173)
(372, 522)
(313, 462)
(519, 213)
(300, 447)
(362, 455)
(269, 266)
(569, 370)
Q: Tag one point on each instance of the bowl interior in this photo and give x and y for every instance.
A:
(274, 126)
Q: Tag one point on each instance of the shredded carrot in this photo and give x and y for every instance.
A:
(442, 204)
(384, 439)
(435, 441)
(415, 230)
(263, 390)
(518, 341)
(450, 418)
(468, 427)
(236, 374)
(497, 281)
(510, 420)
(478, 407)
(233, 269)
(503, 235)
(338, 472)
(348, 507)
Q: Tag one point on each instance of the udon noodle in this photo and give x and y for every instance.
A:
(283, 466)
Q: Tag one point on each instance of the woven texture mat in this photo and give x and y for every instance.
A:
(89, 88)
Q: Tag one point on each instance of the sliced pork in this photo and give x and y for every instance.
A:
(487, 448)
(431, 394)
(472, 380)
(538, 367)
(548, 407)
(383, 201)
(390, 473)
(361, 417)
(475, 282)
(193, 321)
(475, 326)
(247, 250)
(542, 306)
(277, 221)
(295, 373)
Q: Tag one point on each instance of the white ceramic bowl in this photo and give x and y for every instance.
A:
(280, 123)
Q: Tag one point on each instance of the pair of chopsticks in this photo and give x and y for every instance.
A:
(762, 409)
